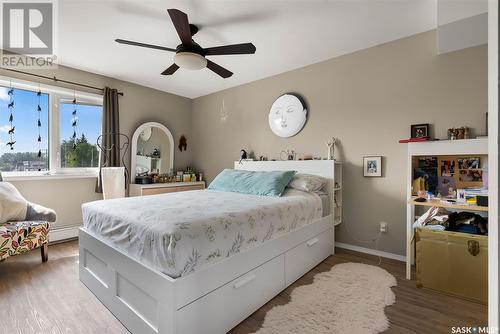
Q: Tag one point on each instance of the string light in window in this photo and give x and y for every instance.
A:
(39, 122)
(10, 106)
(74, 120)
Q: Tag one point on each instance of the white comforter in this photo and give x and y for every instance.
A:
(181, 232)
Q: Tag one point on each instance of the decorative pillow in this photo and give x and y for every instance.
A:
(13, 206)
(251, 182)
(307, 182)
(38, 212)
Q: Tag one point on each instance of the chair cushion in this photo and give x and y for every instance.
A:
(20, 237)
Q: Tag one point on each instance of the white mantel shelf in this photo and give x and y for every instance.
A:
(449, 147)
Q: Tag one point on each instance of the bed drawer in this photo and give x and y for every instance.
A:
(302, 258)
(225, 307)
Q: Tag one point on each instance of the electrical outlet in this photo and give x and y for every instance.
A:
(383, 227)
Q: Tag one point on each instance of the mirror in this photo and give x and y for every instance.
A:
(152, 151)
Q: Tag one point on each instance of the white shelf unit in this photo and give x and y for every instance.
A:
(464, 147)
(337, 194)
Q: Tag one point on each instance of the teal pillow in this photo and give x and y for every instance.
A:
(251, 182)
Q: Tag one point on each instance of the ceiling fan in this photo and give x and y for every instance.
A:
(190, 55)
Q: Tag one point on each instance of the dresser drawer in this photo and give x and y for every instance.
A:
(193, 187)
(302, 258)
(156, 191)
(225, 307)
(145, 191)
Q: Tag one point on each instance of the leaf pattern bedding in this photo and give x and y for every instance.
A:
(179, 233)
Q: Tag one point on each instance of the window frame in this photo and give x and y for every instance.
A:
(56, 95)
(64, 98)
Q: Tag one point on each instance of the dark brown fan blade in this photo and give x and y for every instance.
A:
(144, 45)
(171, 70)
(235, 49)
(181, 24)
(219, 69)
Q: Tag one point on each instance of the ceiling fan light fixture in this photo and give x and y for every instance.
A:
(190, 60)
(189, 54)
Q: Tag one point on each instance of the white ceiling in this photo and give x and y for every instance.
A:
(287, 34)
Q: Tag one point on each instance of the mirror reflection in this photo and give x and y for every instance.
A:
(153, 152)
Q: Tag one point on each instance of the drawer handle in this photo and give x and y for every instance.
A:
(473, 247)
(244, 281)
(312, 242)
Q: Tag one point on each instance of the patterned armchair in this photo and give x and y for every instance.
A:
(17, 237)
(20, 237)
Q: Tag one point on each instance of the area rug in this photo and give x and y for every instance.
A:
(350, 298)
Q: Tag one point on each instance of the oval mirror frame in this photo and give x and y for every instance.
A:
(136, 136)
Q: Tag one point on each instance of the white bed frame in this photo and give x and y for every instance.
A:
(216, 298)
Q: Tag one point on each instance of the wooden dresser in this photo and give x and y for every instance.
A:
(162, 188)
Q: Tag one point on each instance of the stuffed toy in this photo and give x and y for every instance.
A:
(182, 143)
(243, 155)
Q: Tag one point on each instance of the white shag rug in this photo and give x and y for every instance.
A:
(350, 298)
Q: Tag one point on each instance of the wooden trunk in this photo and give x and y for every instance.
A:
(453, 263)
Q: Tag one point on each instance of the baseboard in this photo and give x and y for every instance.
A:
(64, 233)
(371, 251)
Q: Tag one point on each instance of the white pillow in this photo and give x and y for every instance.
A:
(13, 206)
(307, 182)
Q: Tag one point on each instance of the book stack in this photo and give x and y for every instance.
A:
(474, 196)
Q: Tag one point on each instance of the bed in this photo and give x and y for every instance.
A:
(220, 257)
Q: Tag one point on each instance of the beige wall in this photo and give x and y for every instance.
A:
(65, 196)
(138, 105)
(368, 100)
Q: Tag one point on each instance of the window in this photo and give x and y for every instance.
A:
(78, 134)
(23, 143)
(64, 141)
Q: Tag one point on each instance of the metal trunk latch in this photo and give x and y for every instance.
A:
(473, 247)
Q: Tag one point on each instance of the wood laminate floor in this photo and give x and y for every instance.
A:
(38, 297)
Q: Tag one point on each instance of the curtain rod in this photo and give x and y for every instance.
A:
(58, 80)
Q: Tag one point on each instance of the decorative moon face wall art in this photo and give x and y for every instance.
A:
(287, 116)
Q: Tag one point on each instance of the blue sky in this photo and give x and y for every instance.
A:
(25, 121)
(89, 121)
(26, 115)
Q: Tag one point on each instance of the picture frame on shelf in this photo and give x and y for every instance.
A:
(420, 130)
(372, 166)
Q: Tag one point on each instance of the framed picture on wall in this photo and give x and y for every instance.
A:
(372, 166)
